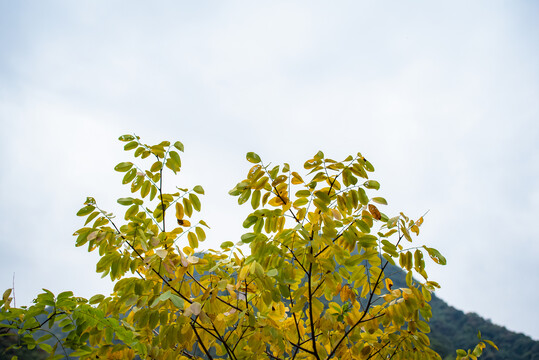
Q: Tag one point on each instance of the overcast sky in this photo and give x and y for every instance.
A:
(442, 97)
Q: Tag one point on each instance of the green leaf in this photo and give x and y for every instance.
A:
(126, 138)
(85, 210)
(202, 222)
(163, 297)
(153, 192)
(320, 205)
(250, 221)
(272, 272)
(64, 295)
(312, 163)
(195, 201)
(372, 184)
(178, 145)
(96, 299)
(436, 256)
(391, 223)
(255, 199)
(79, 352)
(145, 189)
(423, 326)
(363, 198)
(322, 195)
(139, 151)
(130, 145)
(198, 189)
(300, 202)
(227, 245)
(176, 300)
(129, 176)
(158, 165)
(46, 347)
(200, 233)
(244, 196)
(132, 211)
(123, 166)
(367, 241)
(369, 166)
(252, 157)
(125, 201)
(44, 338)
(409, 279)
(362, 225)
(187, 207)
(303, 193)
(193, 241)
(379, 200)
(248, 237)
(176, 158)
(6, 294)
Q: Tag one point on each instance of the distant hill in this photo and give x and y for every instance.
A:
(7, 340)
(451, 329)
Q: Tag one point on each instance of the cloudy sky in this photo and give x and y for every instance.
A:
(442, 97)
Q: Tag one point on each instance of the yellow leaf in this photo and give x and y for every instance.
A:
(276, 201)
(278, 311)
(344, 293)
(179, 211)
(296, 179)
(243, 272)
(206, 294)
(183, 222)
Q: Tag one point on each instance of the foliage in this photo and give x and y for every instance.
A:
(313, 286)
(9, 348)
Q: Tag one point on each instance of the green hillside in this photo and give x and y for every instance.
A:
(452, 329)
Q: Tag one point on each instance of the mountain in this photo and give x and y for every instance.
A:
(453, 329)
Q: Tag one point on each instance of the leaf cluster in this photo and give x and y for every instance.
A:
(313, 284)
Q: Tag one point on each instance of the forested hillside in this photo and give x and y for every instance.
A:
(453, 329)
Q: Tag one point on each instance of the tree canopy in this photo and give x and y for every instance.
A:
(307, 280)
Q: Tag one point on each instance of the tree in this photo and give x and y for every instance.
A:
(313, 285)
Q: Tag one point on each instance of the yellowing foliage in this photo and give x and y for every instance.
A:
(311, 286)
